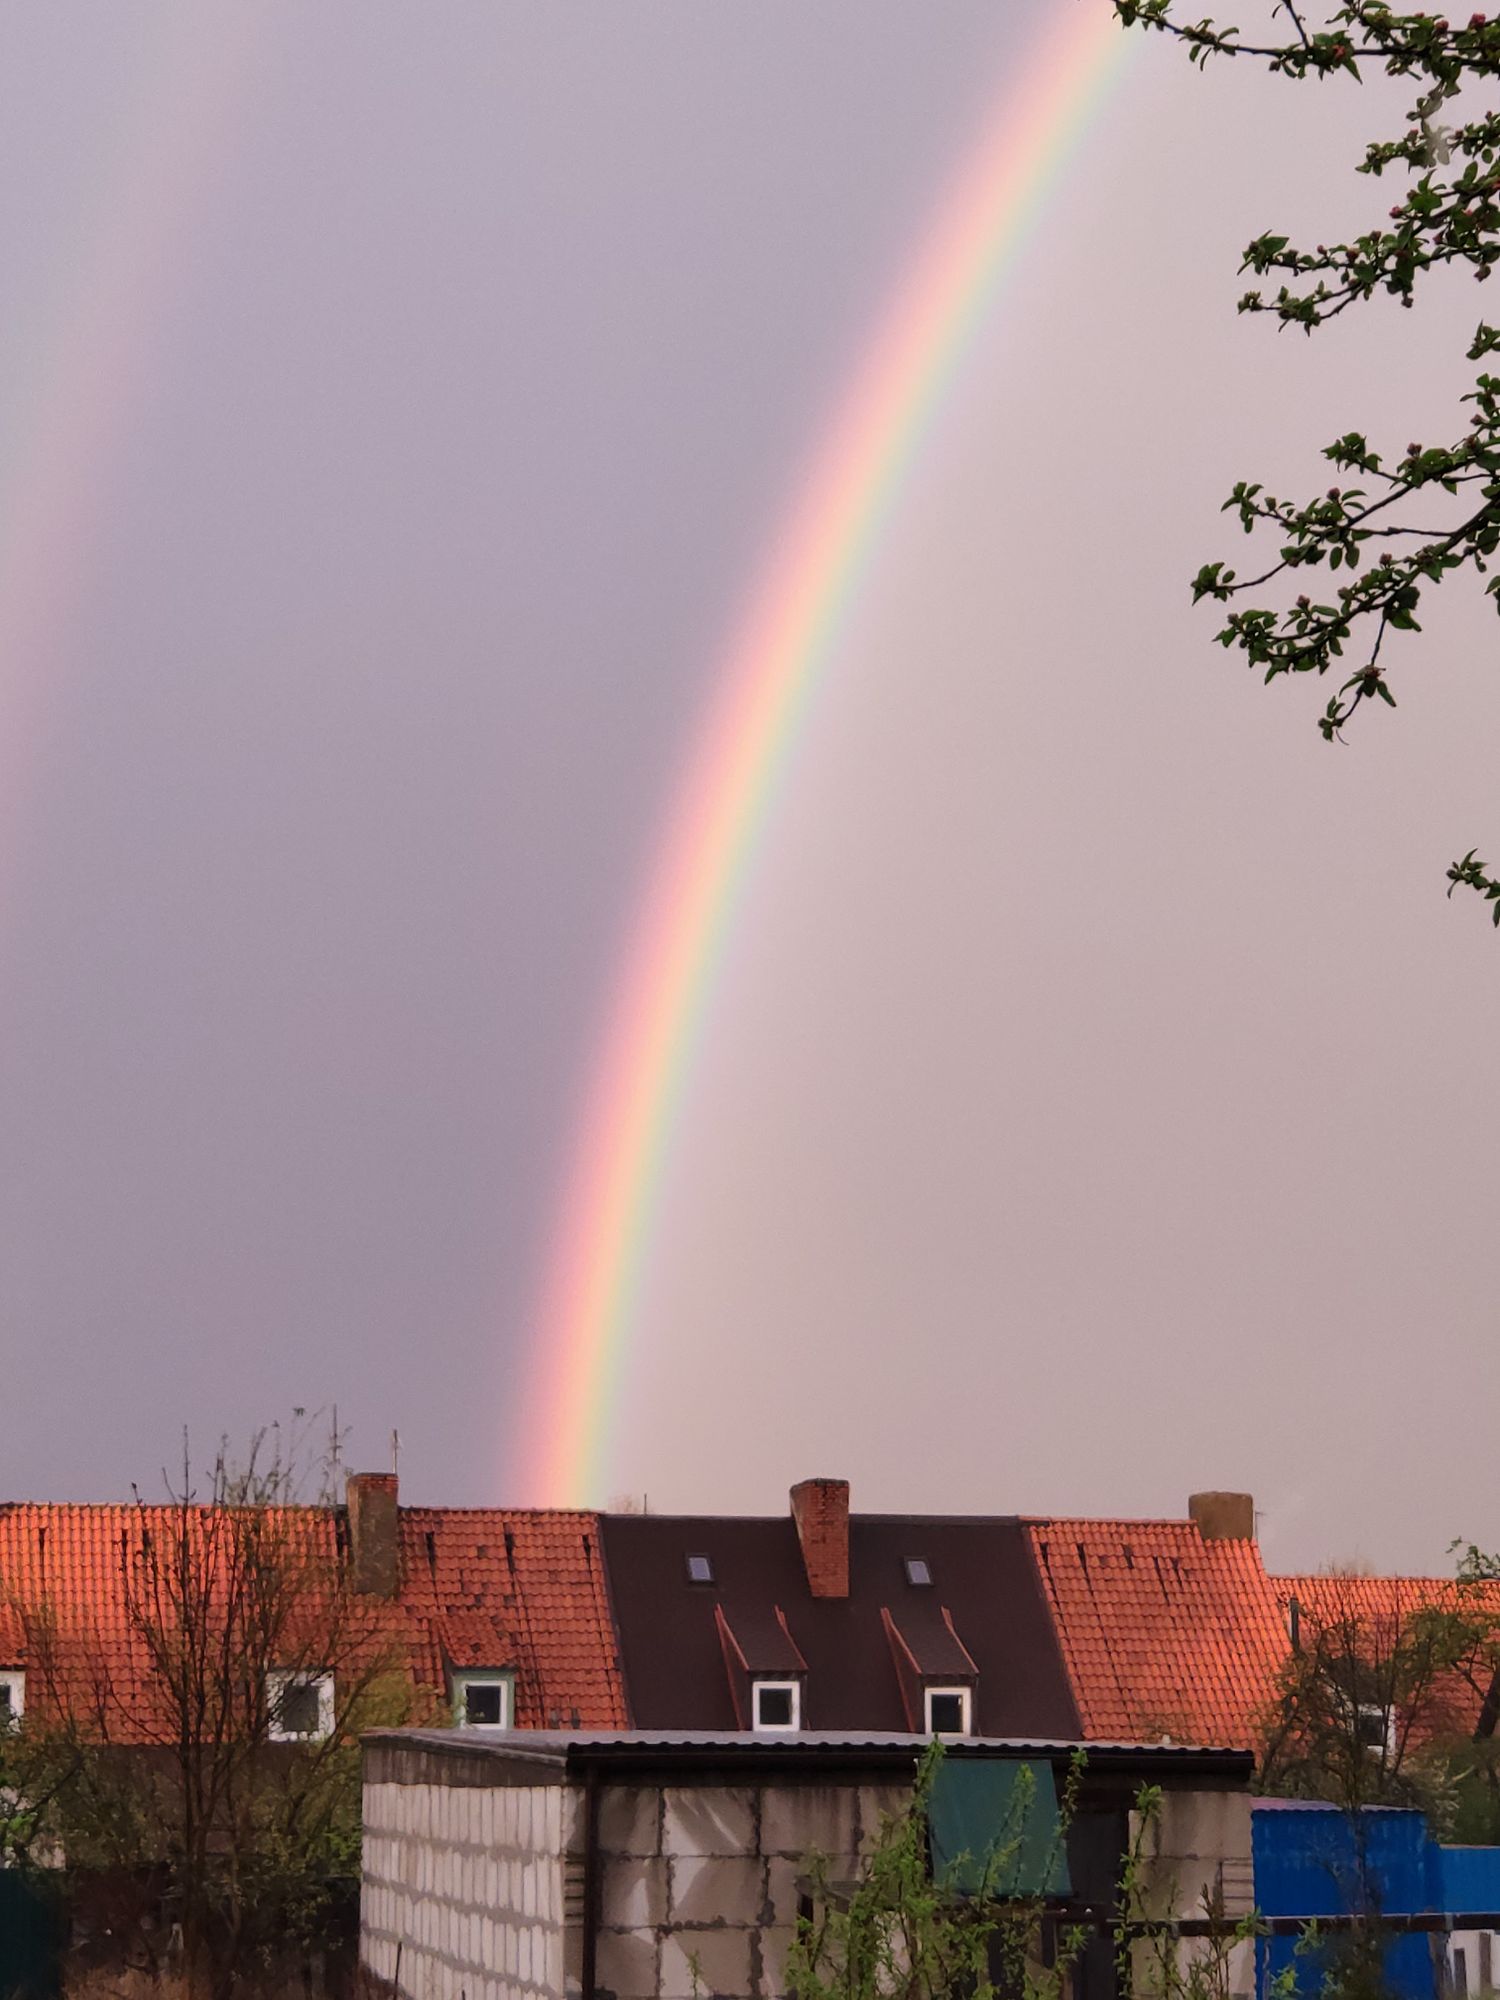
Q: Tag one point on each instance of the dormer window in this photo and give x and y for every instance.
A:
(484, 1698)
(775, 1705)
(12, 1698)
(700, 1569)
(947, 1711)
(918, 1570)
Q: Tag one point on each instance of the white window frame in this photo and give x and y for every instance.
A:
(14, 1681)
(471, 1677)
(791, 1687)
(966, 1709)
(278, 1680)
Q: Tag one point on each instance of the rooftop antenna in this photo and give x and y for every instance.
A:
(395, 1452)
(333, 1439)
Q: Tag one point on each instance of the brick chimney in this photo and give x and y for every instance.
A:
(1224, 1517)
(374, 1533)
(820, 1508)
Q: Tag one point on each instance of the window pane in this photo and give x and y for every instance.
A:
(917, 1570)
(484, 1704)
(299, 1708)
(5, 1702)
(945, 1714)
(773, 1708)
(700, 1569)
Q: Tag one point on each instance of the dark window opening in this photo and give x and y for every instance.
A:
(700, 1569)
(945, 1713)
(484, 1704)
(776, 1705)
(297, 1709)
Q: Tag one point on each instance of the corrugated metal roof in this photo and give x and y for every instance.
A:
(510, 1742)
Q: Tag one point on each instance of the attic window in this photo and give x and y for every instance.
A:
(917, 1570)
(947, 1711)
(778, 1705)
(301, 1706)
(484, 1699)
(700, 1569)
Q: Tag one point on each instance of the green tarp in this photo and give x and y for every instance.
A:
(995, 1827)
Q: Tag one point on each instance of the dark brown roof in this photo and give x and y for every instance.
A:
(984, 1603)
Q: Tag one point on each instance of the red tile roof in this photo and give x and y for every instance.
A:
(480, 1587)
(1162, 1633)
(1378, 1608)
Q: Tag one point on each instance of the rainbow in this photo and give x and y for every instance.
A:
(70, 411)
(822, 553)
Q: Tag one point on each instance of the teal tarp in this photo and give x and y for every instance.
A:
(994, 1827)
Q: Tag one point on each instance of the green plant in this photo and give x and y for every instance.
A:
(1396, 521)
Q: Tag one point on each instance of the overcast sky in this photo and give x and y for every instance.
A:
(1100, 1100)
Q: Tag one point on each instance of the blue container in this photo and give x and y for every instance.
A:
(1314, 1860)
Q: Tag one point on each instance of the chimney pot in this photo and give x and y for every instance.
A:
(820, 1509)
(374, 1533)
(1224, 1517)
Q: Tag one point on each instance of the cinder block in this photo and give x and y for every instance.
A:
(570, 1800)
(708, 1820)
(550, 1976)
(627, 1964)
(633, 1893)
(879, 1804)
(630, 1820)
(705, 1965)
(809, 1819)
(783, 1888)
(770, 1971)
(729, 1889)
(551, 1893)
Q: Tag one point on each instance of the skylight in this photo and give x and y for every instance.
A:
(917, 1570)
(700, 1569)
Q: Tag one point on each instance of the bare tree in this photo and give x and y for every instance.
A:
(205, 1739)
(1387, 1689)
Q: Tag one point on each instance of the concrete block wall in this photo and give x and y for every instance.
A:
(1198, 1852)
(700, 1885)
(463, 1889)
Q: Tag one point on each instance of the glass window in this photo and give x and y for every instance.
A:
(700, 1569)
(777, 1705)
(484, 1699)
(947, 1711)
(12, 1698)
(917, 1570)
(300, 1704)
(484, 1704)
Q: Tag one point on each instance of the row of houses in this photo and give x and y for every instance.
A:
(649, 1723)
(819, 1619)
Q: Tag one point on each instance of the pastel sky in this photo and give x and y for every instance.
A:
(1100, 1097)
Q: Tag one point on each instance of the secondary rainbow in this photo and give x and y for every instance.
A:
(769, 676)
